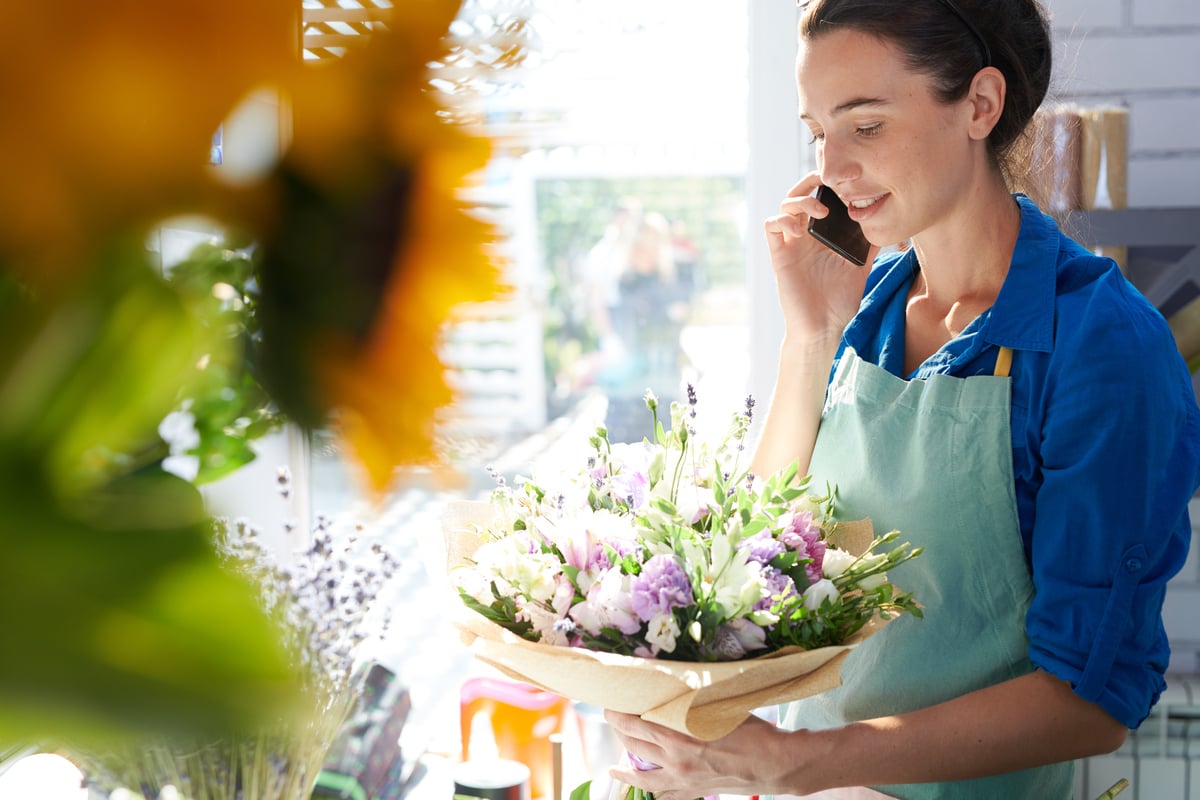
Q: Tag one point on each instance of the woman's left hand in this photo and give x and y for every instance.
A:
(740, 763)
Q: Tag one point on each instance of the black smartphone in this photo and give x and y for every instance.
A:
(837, 231)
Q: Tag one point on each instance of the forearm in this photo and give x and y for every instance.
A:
(789, 429)
(1028, 721)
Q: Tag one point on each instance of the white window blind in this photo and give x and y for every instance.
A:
(329, 27)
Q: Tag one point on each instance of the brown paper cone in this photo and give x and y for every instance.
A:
(1053, 180)
(705, 700)
(1104, 158)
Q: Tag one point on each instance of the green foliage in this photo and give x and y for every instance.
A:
(227, 401)
(123, 618)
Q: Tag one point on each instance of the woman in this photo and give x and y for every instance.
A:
(996, 392)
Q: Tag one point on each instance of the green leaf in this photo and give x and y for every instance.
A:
(582, 792)
(86, 375)
(121, 619)
(664, 505)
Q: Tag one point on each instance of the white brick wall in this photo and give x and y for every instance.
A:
(1181, 612)
(1143, 54)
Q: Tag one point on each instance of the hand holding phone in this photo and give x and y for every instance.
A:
(837, 231)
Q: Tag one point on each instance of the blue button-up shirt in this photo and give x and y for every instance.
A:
(1106, 450)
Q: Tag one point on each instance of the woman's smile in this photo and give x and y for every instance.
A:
(865, 208)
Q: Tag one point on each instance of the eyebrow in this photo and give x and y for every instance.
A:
(851, 105)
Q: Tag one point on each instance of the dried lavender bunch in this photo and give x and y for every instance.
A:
(324, 602)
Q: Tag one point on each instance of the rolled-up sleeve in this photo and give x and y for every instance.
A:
(1118, 460)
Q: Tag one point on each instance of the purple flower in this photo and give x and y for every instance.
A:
(662, 586)
(734, 639)
(778, 587)
(763, 547)
(623, 548)
(804, 536)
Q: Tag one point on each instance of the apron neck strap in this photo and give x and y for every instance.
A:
(1003, 362)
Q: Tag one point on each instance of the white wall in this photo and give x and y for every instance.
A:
(1145, 55)
(778, 157)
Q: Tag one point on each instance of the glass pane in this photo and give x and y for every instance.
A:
(618, 182)
(636, 177)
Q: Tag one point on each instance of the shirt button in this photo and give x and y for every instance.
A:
(1133, 565)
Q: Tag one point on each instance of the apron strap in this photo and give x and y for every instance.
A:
(1003, 362)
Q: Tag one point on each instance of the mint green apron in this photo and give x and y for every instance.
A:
(932, 458)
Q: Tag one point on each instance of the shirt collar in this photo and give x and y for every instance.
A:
(1023, 315)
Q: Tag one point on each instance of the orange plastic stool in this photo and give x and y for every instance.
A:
(523, 718)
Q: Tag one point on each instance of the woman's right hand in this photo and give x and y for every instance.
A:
(819, 291)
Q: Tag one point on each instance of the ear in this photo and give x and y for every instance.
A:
(986, 101)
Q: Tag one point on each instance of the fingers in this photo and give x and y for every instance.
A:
(805, 186)
(635, 735)
(788, 225)
(622, 723)
(796, 209)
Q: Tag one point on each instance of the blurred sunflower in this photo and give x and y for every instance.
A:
(372, 246)
(111, 110)
(362, 247)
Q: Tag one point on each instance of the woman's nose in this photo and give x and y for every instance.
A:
(835, 164)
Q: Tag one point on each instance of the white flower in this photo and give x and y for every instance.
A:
(735, 582)
(836, 562)
(873, 581)
(515, 570)
(694, 502)
(663, 631)
(609, 604)
(178, 430)
(818, 593)
(632, 456)
(545, 620)
(866, 564)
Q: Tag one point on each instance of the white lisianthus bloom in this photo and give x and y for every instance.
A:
(873, 581)
(808, 504)
(662, 632)
(694, 502)
(474, 583)
(516, 570)
(818, 593)
(836, 562)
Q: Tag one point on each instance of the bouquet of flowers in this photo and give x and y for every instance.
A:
(671, 551)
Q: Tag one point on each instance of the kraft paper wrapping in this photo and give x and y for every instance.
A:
(704, 700)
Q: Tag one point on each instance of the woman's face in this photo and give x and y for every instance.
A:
(892, 151)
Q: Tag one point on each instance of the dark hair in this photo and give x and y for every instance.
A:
(936, 42)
